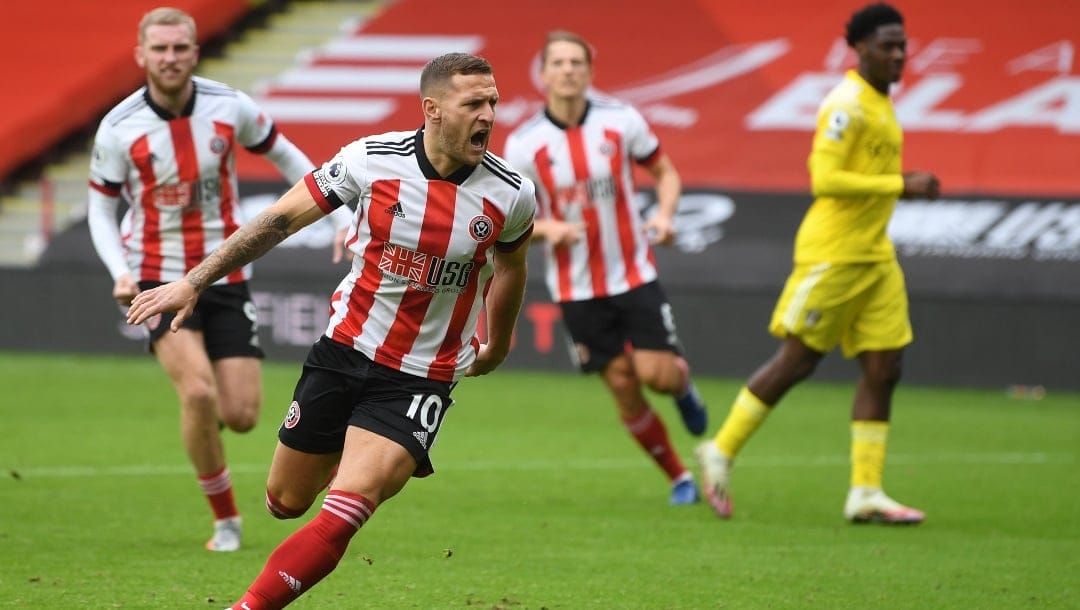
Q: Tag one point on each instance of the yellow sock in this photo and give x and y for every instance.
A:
(746, 415)
(868, 452)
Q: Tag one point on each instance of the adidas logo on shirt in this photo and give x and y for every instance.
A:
(422, 437)
(396, 210)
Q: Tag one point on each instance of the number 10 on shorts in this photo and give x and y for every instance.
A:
(426, 411)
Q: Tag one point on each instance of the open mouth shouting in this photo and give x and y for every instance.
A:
(479, 140)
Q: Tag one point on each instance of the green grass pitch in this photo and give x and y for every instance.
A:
(541, 501)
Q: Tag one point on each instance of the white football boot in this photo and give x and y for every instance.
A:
(715, 473)
(226, 535)
(871, 505)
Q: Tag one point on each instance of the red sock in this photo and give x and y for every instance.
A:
(651, 434)
(218, 490)
(308, 555)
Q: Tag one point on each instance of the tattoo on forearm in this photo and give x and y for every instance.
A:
(249, 243)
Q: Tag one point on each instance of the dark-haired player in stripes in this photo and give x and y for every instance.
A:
(439, 235)
(580, 152)
(846, 288)
(168, 150)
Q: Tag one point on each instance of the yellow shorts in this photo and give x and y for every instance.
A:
(860, 306)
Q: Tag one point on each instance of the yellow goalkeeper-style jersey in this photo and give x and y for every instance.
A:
(855, 177)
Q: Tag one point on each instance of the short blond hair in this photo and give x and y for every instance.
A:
(166, 15)
(566, 36)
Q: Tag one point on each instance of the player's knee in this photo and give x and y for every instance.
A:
(198, 395)
(619, 373)
(660, 381)
(670, 376)
(242, 421)
(621, 383)
(239, 410)
(280, 510)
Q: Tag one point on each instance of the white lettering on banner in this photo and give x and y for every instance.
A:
(939, 54)
(314, 93)
(944, 53)
(1055, 103)
(648, 95)
(1057, 57)
(795, 106)
(293, 318)
(723, 65)
(987, 229)
(943, 222)
(840, 56)
(1045, 227)
(1063, 238)
(396, 66)
(915, 109)
(672, 116)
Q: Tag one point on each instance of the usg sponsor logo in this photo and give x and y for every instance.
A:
(422, 271)
(188, 194)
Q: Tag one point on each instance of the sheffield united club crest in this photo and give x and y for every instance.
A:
(480, 228)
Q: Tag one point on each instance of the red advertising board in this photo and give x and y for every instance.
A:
(990, 100)
(65, 64)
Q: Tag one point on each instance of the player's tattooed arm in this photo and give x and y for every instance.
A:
(295, 210)
(248, 243)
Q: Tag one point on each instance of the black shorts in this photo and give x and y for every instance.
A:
(340, 387)
(224, 314)
(601, 328)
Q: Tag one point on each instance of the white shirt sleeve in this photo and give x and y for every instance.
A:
(289, 159)
(641, 141)
(105, 233)
(343, 179)
(521, 215)
(108, 170)
(342, 217)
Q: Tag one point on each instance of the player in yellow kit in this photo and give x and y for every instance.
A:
(846, 287)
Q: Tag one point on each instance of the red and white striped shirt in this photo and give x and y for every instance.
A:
(422, 250)
(583, 175)
(178, 175)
